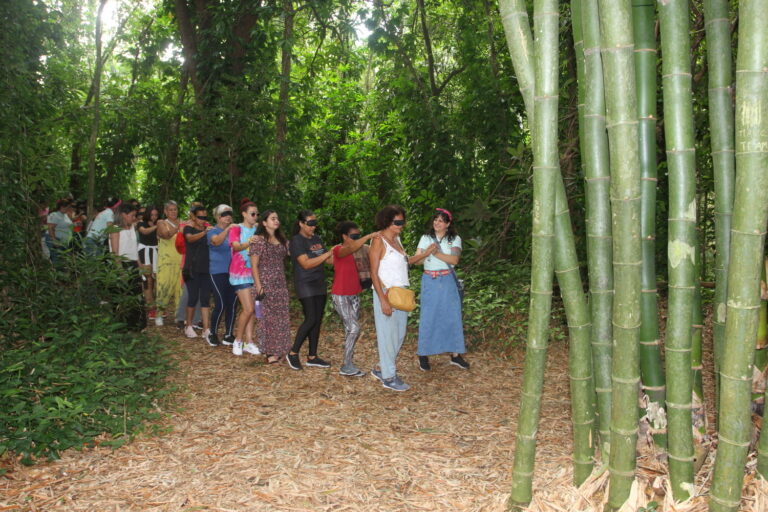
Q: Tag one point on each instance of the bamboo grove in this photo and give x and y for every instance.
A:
(626, 372)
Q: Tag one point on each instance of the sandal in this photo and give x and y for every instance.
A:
(270, 360)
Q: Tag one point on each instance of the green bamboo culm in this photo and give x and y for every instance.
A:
(545, 174)
(651, 367)
(698, 406)
(750, 216)
(762, 447)
(594, 154)
(681, 245)
(721, 122)
(621, 108)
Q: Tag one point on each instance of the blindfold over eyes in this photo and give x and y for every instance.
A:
(226, 214)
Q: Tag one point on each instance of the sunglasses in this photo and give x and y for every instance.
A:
(253, 214)
(311, 223)
(398, 222)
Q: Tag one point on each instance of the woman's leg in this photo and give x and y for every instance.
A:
(307, 305)
(318, 306)
(348, 307)
(390, 332)
(246, 313)
(217, 281)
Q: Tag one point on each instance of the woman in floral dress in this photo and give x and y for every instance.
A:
(268, 252)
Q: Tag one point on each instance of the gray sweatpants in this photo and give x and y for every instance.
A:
(348, 307)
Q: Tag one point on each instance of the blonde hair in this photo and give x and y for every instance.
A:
(221, 209)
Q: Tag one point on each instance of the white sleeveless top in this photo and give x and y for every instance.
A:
(393, 267)
(128, 244)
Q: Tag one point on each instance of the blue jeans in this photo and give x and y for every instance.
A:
(390, 333)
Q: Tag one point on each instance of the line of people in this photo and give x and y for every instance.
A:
(244, 263)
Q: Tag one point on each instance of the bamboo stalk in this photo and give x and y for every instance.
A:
(721, 121)
(651, 368)
(750, 216)
(594, 153)
(682, 246)
(621, 109)
(545, 173)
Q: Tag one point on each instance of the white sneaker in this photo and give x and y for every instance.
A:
(190, 332)
(251, 348)
(159, 321)
(206, 333)
(237, 348)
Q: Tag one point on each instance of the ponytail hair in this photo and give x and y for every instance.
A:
(246, 203)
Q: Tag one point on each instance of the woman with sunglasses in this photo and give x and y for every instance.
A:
(308, 255)
(389, 267)
(440, 327)
(220, 258)
(196, 269)
(267, 254)
(346, 288)
(241, 278)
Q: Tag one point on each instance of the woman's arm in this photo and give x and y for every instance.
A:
(307, 263)
(422, 254)
(114, 243)
(255, 273)
(191, 238)
(451, 259)
(374, 257)
(165, 229)
(52, 231)
(219, 239)
(355, 245)
(147, 230)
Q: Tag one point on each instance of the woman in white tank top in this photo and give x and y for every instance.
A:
(389, 267)
(124, 244)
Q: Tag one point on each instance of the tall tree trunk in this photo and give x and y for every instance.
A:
(621, 108)
(96, 113)
(721, 120)
(281, 124)
(545, 173)
(750, 216)
(172, 151)
(682, 245)
(651, 368)
(594, 152)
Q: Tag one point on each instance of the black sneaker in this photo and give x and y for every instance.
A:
(180, 324)
(228, 340)
(424, 364)
(213, 340)
(293, 361)
(318, 363)
(460, 362)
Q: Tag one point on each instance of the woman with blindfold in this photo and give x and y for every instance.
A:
(241, 236)
(196, 270)
(308, 254)
(440, 326)
(220, 257)
(346, 288)
(389, 268)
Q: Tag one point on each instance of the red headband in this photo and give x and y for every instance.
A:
(442, 210)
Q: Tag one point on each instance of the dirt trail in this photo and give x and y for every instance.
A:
(250, 436)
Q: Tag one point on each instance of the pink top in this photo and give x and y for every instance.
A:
(240, 266)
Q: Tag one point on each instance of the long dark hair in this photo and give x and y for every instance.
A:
(262, 229)
(147, 216)
(301, 217)
(450, 232)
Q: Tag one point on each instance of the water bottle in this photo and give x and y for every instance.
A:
(257, 311)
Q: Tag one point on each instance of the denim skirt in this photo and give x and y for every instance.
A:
(440, 326)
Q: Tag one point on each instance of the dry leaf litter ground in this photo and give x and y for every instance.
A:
(249, 436)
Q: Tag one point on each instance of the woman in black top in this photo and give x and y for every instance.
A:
(196, 270)
(147, 228)
(308, 254)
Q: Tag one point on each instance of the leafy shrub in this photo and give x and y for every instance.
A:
(70, 370)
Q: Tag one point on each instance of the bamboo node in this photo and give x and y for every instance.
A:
(626, 474)
(633, 380)
(681, 459)
(738, 379)
(673, 405)
(722, 438)
(725, 503)
(675, 349)
(651, 343)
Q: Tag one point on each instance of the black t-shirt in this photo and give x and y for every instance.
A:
(308, 283)
(150, 239)
(196, 259)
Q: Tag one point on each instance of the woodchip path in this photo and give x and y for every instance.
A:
(248, 436)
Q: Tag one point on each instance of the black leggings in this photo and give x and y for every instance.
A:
(199, 290)
(314, 307)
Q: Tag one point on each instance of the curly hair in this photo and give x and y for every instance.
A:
(386, 215)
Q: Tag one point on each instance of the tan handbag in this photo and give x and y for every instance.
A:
(401, 298)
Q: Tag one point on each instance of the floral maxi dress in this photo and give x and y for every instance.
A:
(274, 328)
